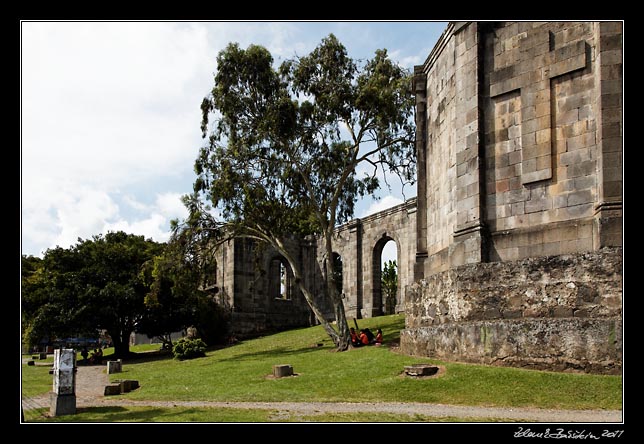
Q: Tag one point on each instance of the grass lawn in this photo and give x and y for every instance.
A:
(241, 373)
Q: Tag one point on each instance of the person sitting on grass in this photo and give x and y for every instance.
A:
(96, 357)
(378, 339)
(364, 339)
(370, 335)
(355, 341)
(84, 354)
(99, 356)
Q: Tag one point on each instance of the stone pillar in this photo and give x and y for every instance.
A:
(608, 208)
(354, 277)
(63, 397)
(420, 89)
(468, 245)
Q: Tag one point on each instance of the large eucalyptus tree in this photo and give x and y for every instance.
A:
(285, 145)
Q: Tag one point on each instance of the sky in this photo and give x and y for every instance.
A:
(110, 115)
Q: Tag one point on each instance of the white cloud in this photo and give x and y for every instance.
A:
(131, 202)
(110, 117)
(82, 213)
(382, 204)
(107, 108)
(170, 205)
(407, 61)
(106, 103)
(153, 226)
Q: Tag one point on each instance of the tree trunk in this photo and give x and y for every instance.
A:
(121, 344)
(344, 337)
(341, 337)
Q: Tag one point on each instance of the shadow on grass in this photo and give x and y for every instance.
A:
(121, 414)
(273, 352)
(133, 357)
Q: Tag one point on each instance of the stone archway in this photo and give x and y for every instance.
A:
(378, 302)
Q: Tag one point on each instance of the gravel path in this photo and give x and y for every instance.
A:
(91, 381)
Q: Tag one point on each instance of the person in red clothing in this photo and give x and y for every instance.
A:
(355, 341)
(378, 340)
(364, 339)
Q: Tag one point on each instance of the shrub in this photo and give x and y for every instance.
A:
(186, 348)
(213, 321)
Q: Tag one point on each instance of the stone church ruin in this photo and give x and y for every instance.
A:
(511, 253)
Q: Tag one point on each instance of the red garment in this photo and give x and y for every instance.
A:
(379, 338)
(364, 339)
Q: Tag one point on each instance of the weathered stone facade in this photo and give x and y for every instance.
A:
(360, 243)
(550, 312)
(247, 279)
(520, 161)
(248, 283)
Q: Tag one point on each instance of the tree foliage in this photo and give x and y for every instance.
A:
(179, 298)
(389, 285)
(283, 146)
(93, 285)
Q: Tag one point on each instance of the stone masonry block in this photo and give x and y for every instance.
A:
(544, 162)
(610, 42)
(612, 145)
(611, 72)
(568, 117)
(282, 370)
(612, 57)
(612, 189)
(585, 168)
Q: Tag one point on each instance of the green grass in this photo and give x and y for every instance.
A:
(36, 380)
(241, 373)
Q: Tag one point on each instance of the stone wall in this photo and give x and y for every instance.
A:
(519, 142)
(244, 274)
(243, 279)
(541, 137)
(555, 312)
(360, 242)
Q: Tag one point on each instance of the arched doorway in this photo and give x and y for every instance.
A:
(384, 265)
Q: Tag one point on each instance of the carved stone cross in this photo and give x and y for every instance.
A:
(538, 64)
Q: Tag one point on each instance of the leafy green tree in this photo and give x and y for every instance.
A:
(178, 298)
(283, 147)
(93, 285)
(169, 301)
(49, 297)
(389, 285)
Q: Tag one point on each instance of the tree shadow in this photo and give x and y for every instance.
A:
(123, 414)
(274, 352)
(133, 357)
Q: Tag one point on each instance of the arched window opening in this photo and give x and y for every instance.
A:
(337, 273)
(280, 279)
(210, 276)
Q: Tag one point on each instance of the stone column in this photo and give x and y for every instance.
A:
(63, 397)
(608, 208)
(353, 278)
(468, 245)
(420, 89)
